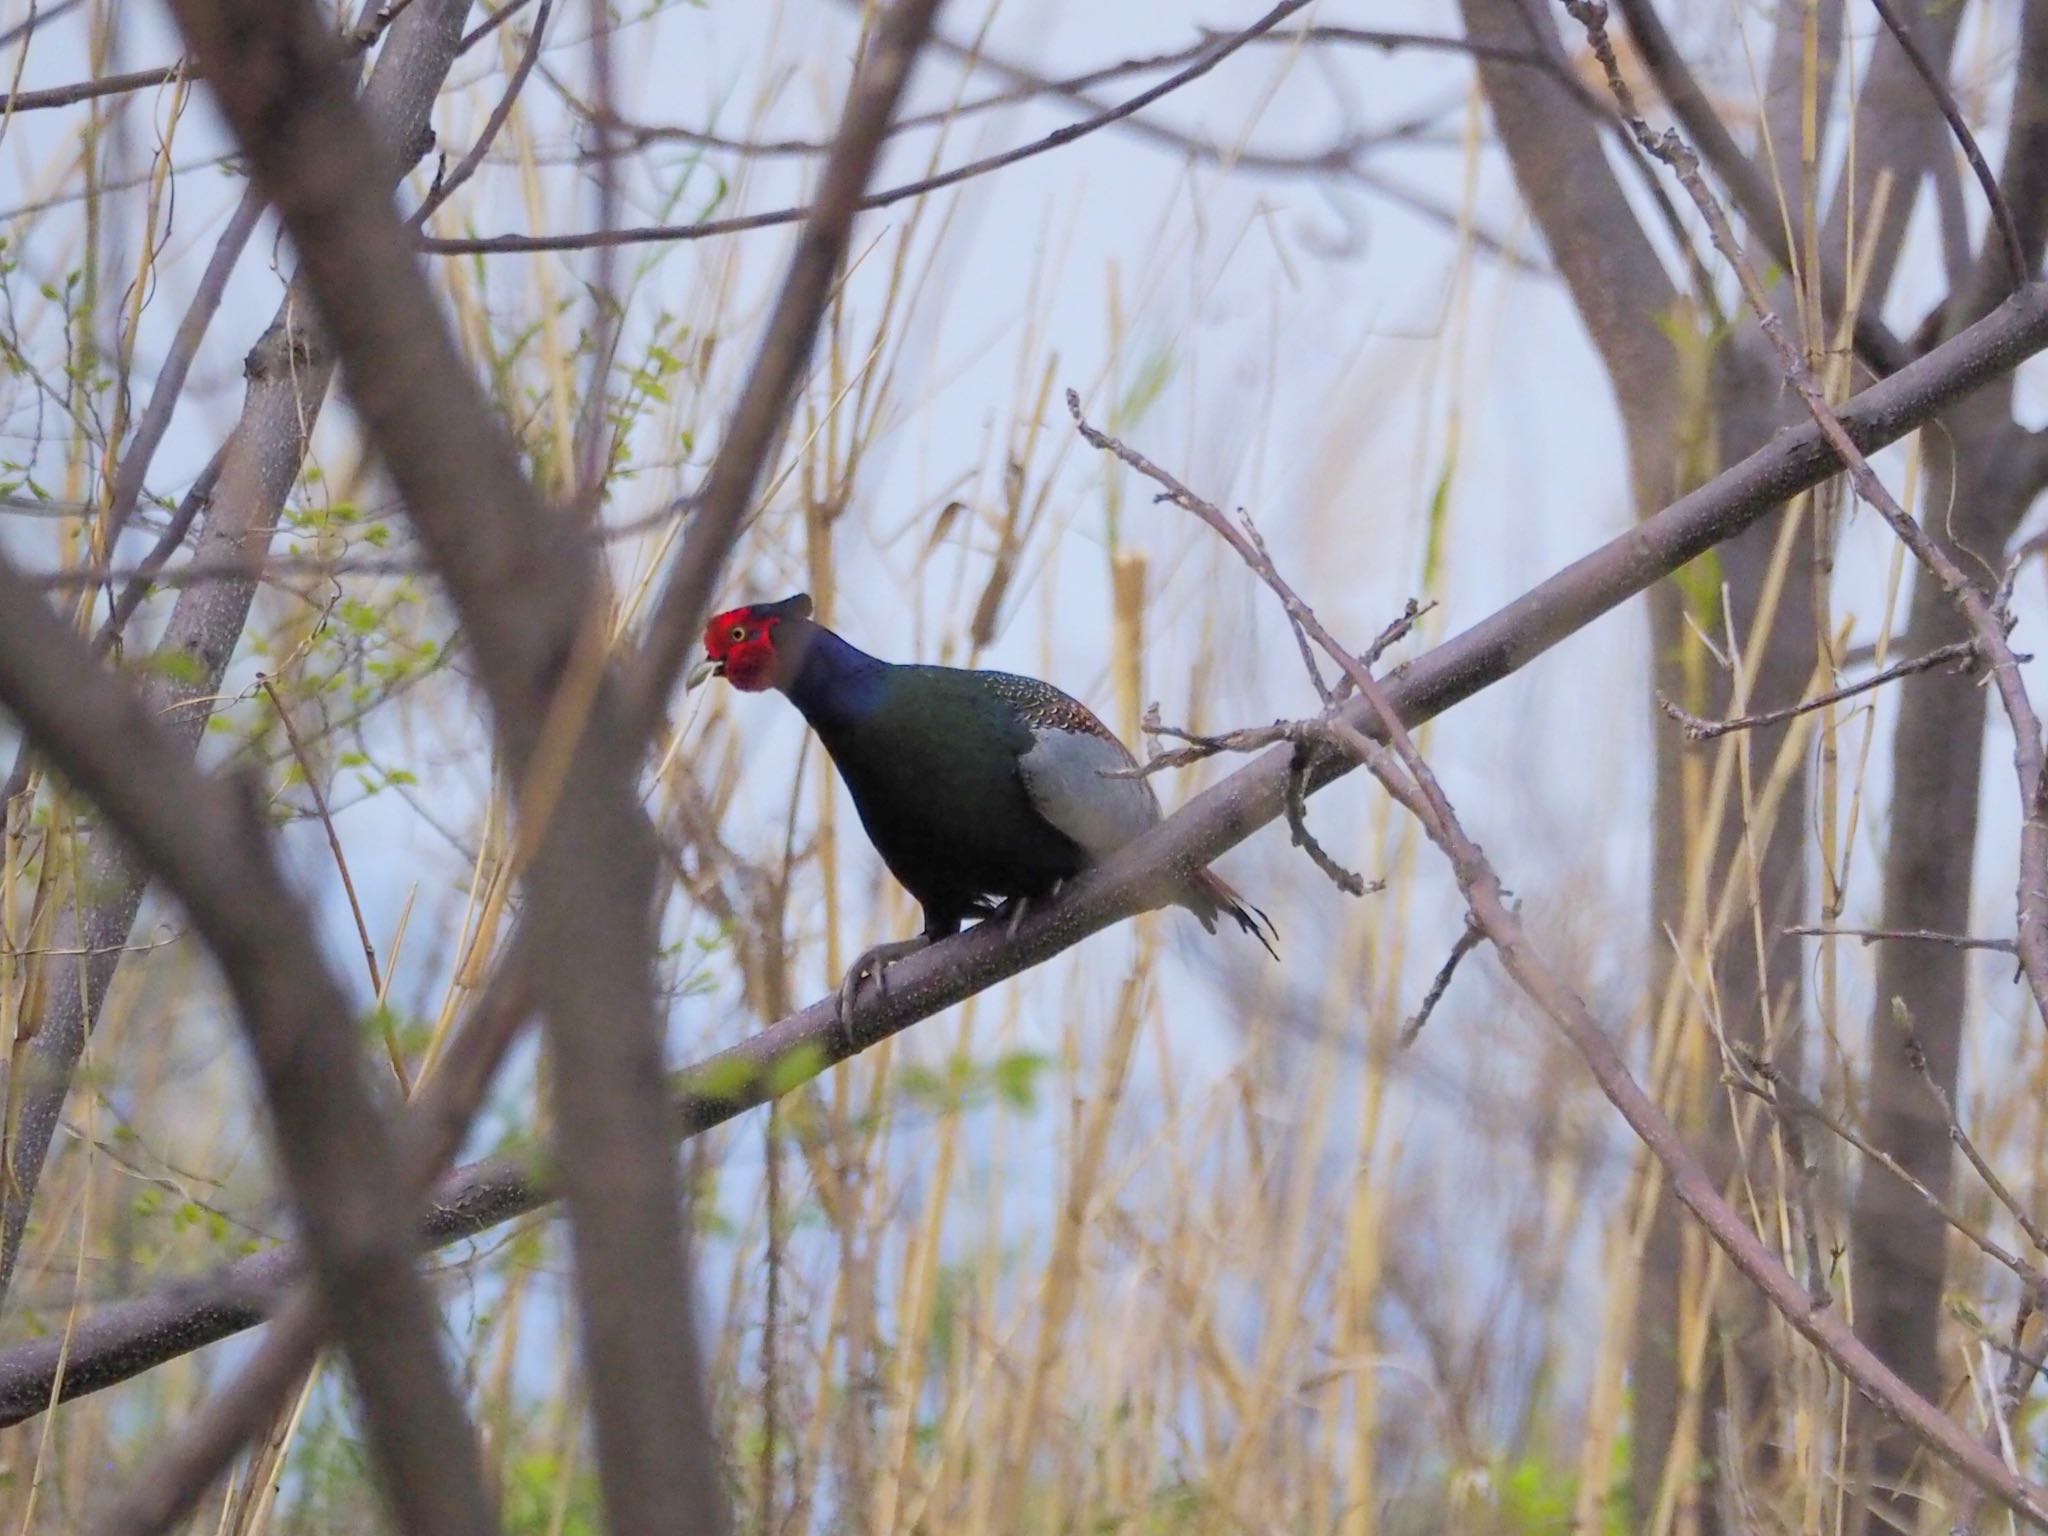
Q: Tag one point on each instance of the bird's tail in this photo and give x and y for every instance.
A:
(1208, 897)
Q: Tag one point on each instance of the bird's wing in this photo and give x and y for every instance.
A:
(1071, 769)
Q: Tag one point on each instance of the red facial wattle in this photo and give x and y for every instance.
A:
(742, 646)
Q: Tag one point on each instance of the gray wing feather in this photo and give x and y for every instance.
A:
(1066, 774)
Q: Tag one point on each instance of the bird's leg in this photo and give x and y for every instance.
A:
(1017, 906)
(870, 964)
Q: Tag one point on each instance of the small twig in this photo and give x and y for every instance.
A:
(1198, 748)
(1912, 935)
(1945, 99)
(348, 885)
(445, 187)
(1310, 738)
(1761, 1077)
(1697, 729)
(1468, 940)
(1916, 1057)
(1296, 802)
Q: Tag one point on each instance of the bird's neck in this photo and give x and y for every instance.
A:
(835, 683)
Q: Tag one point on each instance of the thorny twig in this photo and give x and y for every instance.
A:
(1468, 940)
(1308, 737)
(1697, 729)
(1311, 739)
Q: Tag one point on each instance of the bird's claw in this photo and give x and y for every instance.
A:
(872, 963)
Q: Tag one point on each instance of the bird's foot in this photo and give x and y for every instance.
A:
(871, 964)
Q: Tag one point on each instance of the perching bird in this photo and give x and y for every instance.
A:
(973, 786)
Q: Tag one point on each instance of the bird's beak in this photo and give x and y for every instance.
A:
(707, 668)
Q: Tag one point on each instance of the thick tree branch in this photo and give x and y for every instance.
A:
(127, 1338)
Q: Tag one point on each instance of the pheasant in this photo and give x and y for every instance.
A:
(977, 788)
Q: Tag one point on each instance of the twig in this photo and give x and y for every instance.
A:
(1345, 879)
(91, 90)
(1916, 1056)
(1469, 938)
(358, 39)
(170, 380)
(1761, 1077)
(1911, 935)
(501, 112)
(1945, 99)
(1697, 729)
(348, 885)
(151, 573)
(1309, 738)
(1028, 86)
(1210, 57)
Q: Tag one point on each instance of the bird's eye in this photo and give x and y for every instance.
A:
(739, 633)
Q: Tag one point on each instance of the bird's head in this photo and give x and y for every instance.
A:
(742, 645)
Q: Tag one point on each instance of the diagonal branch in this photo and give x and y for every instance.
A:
(127, 1338)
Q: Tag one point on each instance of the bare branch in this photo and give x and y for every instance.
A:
(1952, 114)
(1211, 56)
(1470, 937)
(1963, 653)
(1907, 935)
